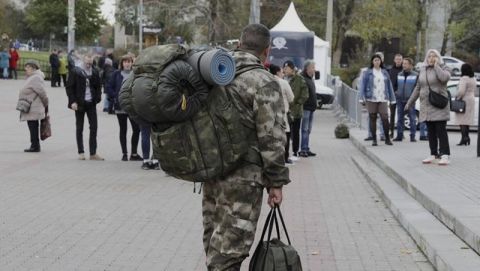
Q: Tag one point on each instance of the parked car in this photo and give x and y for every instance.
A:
(454, 64)
(325, 95)
(452, 87)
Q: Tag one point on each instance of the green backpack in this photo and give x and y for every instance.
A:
(210, 144)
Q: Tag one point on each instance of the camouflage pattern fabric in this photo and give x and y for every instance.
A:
(300, 95)
(231, 205)
(231, 208)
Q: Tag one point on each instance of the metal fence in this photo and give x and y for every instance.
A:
(346, 99)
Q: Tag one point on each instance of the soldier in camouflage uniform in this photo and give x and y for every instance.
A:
(231, 205)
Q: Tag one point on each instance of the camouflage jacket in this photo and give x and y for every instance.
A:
(257, 95)
(300, 94)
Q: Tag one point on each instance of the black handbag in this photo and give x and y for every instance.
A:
(273, 254)
(457, 106)
(436, 99)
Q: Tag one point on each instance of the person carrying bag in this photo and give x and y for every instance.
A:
(273, 254)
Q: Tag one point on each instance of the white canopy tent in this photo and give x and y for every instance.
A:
(292, 23)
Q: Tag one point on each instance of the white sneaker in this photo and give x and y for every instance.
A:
(444, 160)
(429, 159)
(294, 158)
(81, 156)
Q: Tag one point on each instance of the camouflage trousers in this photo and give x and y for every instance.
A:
(231, 208)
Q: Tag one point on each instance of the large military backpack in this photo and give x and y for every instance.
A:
(214, 139)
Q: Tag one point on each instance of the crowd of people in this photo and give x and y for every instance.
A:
(398, 89)
(286, 100)
(8, 63)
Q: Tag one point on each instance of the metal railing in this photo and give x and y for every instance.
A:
(346, 99)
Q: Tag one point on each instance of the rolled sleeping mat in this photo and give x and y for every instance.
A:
(216, 66)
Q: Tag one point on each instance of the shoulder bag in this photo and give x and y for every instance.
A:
(436, 99)
(457, 106)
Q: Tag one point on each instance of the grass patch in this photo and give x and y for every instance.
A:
(40, 56)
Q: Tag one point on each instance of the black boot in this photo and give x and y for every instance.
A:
(463, 141)
(373, 128)
(33, 149)
(385, 129)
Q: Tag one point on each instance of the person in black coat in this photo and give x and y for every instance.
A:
(84, 91)
(393, 72)
(54, 65)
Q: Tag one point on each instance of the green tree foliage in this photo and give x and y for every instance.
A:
(47, 17)
(463, 26)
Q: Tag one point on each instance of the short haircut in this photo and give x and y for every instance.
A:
(410, 60)
(274, 69)
(379, 57)
(307, 63)
(126, 57)
(467, 70)
(255, 38)
(400, 55)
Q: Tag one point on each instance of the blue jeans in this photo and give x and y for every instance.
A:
(400, 122)
(106, 103)
(145, 131)
(423, 129)
(307, 122)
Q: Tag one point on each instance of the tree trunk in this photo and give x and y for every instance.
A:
(446, 36)
(212, 28)
(343, 24)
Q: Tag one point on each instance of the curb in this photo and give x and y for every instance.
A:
(442, 248)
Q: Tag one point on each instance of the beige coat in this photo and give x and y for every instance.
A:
(34, 90)
(438, 77)
(466, 92)
(287, 94)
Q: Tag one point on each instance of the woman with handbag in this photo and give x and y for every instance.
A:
(33, 102)
(466, 93)
(434, 105)
(376, 91)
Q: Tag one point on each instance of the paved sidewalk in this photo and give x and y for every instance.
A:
(58, 213)
(450, 193)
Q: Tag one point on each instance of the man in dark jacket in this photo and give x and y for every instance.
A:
(406, 82)
(84, 91)
(54, 65)
(106, 74)
(309, 108)
(393, 72)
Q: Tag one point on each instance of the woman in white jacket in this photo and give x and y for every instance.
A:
(33, 102)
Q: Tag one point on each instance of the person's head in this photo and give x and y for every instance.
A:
(108, 62)
(381, 56)
(88, 61)
(255, 39)
(288, 68)
(276, 70)
(376, 62)
(407, 64)
(12, 49)
(31, 66)
(126, 63)
(432, 57)
(309, 67)
(398, 60)
(467, 70)
(54, 51)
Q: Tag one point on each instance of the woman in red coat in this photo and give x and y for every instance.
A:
(14, 57)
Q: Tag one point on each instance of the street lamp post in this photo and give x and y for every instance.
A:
(71, 25)
(140, 26)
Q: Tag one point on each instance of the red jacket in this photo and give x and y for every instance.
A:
(13, 59)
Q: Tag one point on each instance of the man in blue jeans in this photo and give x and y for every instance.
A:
(147, 162)
(406, 81)
(309, 108)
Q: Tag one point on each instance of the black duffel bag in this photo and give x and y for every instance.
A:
(273, 254)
